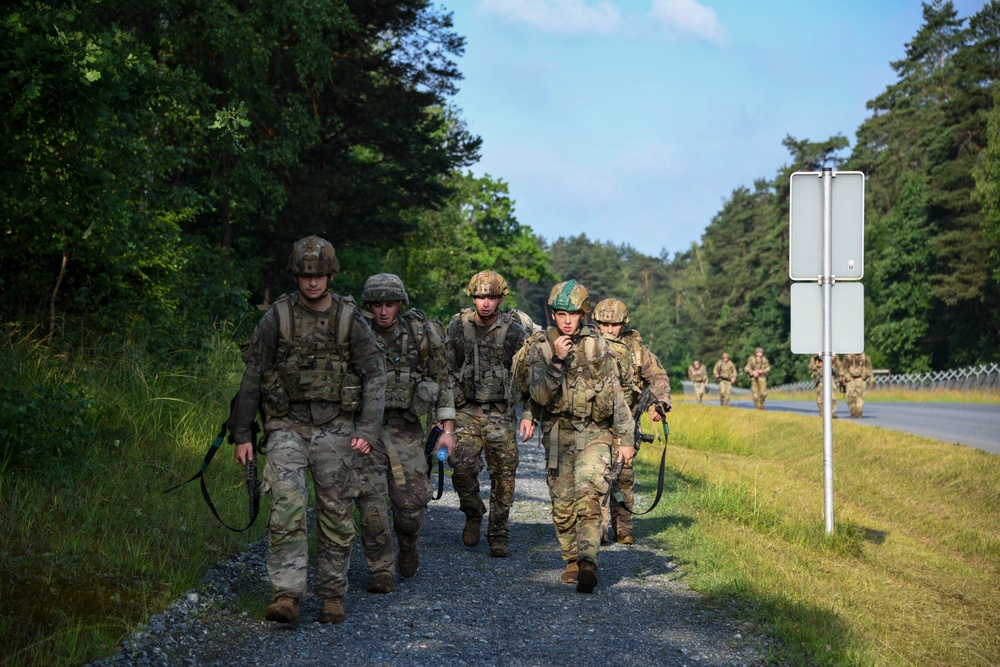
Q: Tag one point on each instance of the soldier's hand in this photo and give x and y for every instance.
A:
(626, 453)
(526, 430)
(653, 414)
(360, 445)
(243, 452)
(562, 346)
(446, 440)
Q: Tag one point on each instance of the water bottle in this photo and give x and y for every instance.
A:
(442, 454)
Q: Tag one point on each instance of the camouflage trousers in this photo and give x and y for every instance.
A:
(725, 391)
(833, 398)
(577, 486)
(616, 515)
(395, 475)
(758, 389)
(700, 388)
(488, 433)
(857, 389)
(325, 451)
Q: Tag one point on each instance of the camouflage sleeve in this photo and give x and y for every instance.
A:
(258, 356)
(624, 425)
(368, 361)
(716, 368)
(654, 376)
(454, 355)
(766, 369)
(748, 367)
(437, 368)
(545, 379)
(516, 336)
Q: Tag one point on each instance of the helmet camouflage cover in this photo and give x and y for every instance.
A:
(570, 296)
(487, 283)
(312, 256)
(384, 287)
(610, 311)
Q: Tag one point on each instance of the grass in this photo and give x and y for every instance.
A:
(89, 544)
(911, 574)
(880, 395)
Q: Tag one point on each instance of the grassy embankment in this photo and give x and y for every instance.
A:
(911, 574)
(89, 545)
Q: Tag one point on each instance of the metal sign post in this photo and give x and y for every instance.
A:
(840, 251)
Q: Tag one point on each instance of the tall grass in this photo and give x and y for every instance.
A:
(911, 574)
(90, 544)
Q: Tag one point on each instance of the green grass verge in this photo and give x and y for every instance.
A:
(89, 544)
(911, 574)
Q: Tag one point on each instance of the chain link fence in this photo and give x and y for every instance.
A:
(982, 377)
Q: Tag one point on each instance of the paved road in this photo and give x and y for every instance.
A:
(972, 424)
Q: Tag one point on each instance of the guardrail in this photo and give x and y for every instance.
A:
(982, 377)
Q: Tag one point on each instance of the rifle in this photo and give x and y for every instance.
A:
(250, 477)
(645, 401)
(429, 444)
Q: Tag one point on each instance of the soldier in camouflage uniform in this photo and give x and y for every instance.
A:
(639, 369)
(417, 385)
(574, 379)
(698, 374)
(480, 343)
(816, 368)
(757, 367)
(725, 374)
(316, 370)
(857, 370)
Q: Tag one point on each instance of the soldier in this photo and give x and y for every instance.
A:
(639, 369)
(417, 385)
(699, 375)
(574, 379)
(314, 366)
(725, 374)
(757, 367)
(816, 367)
(479, 345)
(857, 369)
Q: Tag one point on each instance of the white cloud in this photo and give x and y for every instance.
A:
(688, 17)
(564, 17)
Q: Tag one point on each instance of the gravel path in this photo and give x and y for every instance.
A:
(463, 607)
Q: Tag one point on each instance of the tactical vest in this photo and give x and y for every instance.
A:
(479, 382)
(856, 366)
(407, 386)
(584, 391)
(306, 369)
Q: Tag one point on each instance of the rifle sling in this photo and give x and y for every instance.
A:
(663, 464)
(200, 475)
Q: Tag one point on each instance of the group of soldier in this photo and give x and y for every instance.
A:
(854, 374)
(346, 393)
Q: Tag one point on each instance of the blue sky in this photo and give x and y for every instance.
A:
(632, 121)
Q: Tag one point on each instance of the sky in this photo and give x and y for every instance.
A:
(632, 121)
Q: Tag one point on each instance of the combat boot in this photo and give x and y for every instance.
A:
(333, 611)
(283, 610)
(381, 582)
(409, 558)
(499, 548)
(470, 534)
(625, 538)
(569, 575)
(586, 579)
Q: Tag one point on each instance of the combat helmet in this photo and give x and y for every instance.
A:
(384, 287)
(312, 256)
(610, 311)
(488, 284)
(570, 296)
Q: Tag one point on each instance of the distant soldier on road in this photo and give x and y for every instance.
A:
(857, 370)
(725, 374)
(816, 367)
(698, 374)
(757, 367)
